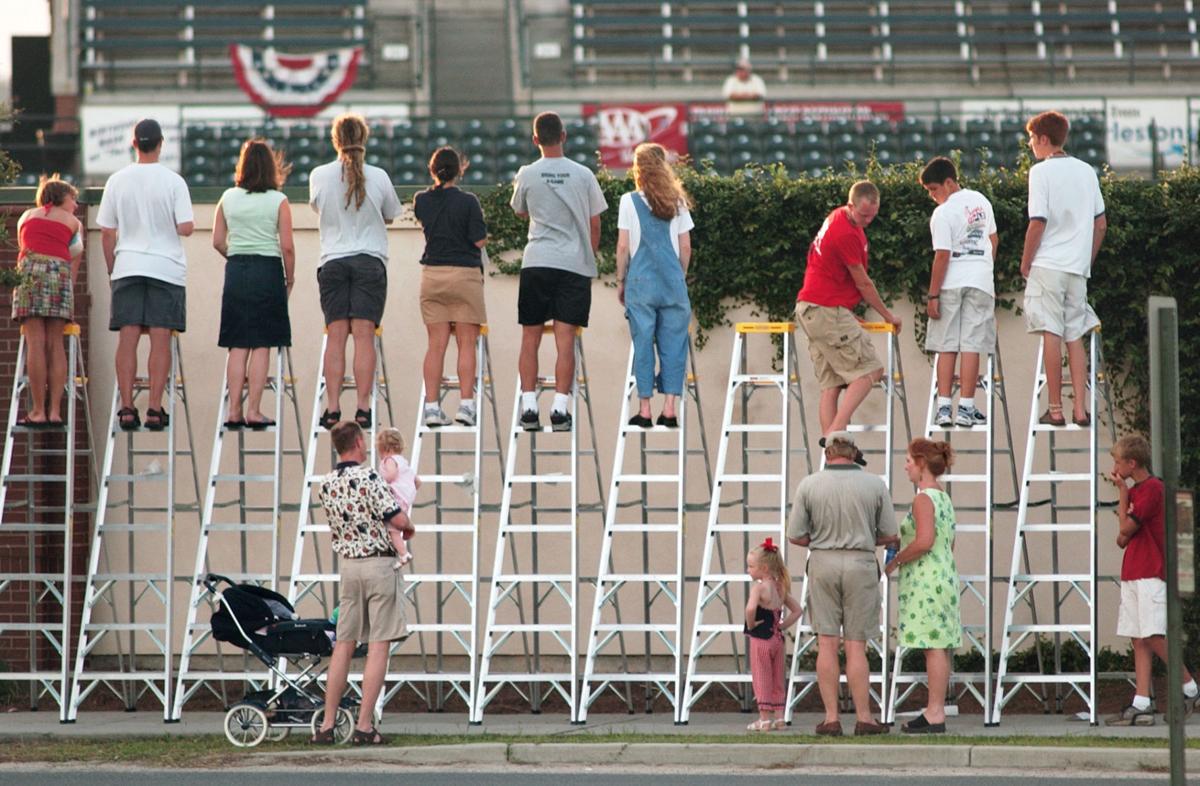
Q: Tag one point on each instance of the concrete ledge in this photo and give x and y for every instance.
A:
(430, 755)
(1068, 759)
(571, 753)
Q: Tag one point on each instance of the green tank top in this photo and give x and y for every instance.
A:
(253, 221)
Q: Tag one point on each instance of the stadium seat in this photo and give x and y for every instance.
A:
(946, 125)
(301, 178)
(877, 126)
(740, 158)
(703, 143)
(406, 143)
(379, 159)
(808, 126)
(743, 142)
(438, 127)
(912, 125)
(814, 158)
(980, 125)
(949, 140)
(584, 158)
(981, 139)
(886, 157)
(777, 143)
(475, 127)
(812, 141)
(511, 143)
(512, 125)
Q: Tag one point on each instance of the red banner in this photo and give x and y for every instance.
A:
(622, 127)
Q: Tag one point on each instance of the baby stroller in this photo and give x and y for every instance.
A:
(263, 623)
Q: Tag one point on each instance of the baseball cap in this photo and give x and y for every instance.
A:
(147, 130)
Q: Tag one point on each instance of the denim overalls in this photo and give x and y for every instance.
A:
(657, 306)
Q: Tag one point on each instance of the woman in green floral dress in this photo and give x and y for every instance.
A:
(929, 582)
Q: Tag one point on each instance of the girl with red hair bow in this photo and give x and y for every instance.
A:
(770, 594)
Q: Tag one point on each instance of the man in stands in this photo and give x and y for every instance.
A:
(563, 203)
(744, 90)
(143, 214)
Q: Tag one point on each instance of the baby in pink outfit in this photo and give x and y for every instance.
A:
(402, 479)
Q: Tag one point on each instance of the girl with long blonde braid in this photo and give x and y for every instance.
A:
(770, 594)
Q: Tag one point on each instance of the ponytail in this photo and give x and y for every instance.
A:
(445, 165)
(349, 133)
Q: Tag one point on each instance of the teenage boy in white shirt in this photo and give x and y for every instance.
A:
(961, 303)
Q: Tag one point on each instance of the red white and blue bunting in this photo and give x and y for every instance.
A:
(294, 85)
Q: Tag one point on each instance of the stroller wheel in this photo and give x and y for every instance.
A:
(245, 725)
(343, 727)
(277, 733)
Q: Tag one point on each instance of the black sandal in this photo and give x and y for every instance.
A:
(128, 419)
(259, 425)
(157, 419)
(323, 737)
(330, 419)
(363, 418)
(33, 425)
(921, 725)
(372, 737)
(235, 425)
(669, 422)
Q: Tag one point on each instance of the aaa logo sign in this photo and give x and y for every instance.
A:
(625, 126)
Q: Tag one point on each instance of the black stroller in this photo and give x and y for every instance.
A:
(263, 623)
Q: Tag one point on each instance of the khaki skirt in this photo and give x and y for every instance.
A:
(452, 294)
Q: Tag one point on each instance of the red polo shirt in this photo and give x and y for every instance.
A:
(837, 246)
(1145, 553)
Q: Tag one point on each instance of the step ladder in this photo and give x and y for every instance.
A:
(975, 447)
(754, 459)
(313, 581)
(138, 589)
(802, 680)
(548, 663)
(444, 574)
(239, 530)
(41, 502)
(1072, 493)
(651, 527)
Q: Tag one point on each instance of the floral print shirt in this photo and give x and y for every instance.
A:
(358, 504)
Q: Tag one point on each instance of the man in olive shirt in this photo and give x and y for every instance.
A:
(841, 514)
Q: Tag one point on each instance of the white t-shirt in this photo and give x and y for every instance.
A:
(348, 231)
(754, 85)
(1065, 193)
(964, 225)
(144, 203)
(627, 218)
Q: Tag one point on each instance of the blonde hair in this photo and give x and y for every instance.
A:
(772, 560)
(349, 132)
(1135, 448)
(655, 178)
(390, 441)
(864, 190)
(53, 190)
(937, 457)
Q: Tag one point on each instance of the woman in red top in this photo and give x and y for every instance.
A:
(49, 237)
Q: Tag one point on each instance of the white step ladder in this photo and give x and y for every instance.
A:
(42, 502)
(1072, 490)
(239, 529)
(444, 574)
(802, 680)
(754, 458)
(313, 582)
(657, 529)
(973, 528)
(139, 591)
(549, 591)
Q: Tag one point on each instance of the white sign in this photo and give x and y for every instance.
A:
(107, 133)
(1026, 108)
(1129, 140)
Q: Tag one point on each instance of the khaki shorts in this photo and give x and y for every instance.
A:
(372, 601)
(452, 294)
(966, 322)
(1056, 302)
(841, 350)
(843, 593)
(1143, 611)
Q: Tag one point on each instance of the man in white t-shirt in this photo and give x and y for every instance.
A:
(1066, 228)
(143, 214)
(961, 303)
(744, 90)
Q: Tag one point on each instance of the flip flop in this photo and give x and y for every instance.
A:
(235, 425)
(259, 425)
(33, 425)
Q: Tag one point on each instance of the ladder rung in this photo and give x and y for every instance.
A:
(439, 627)
(644, 527)
(235, 526)
(647, 478)
(313, 578)
(34, 478)
(866, 428)
(123, 526)
(541, 676)
(243, 479)
(623, 677)
(1052, 577)
(539, 528)
(445, 528)
(964, 478)
(754, 428)
(530, 627)
(455, 429)
(757, 379)
(633, 627)
(126, 626)
(428, 577)
(737, 578)
(745, 527)
(551, 479)
(1058, 477)
(970, 529)
(718, 627)
(244, 578)
(628, 429)
(11, 526)
(433, 479)
(645, 577)
(121, 676)
(1047, 678)
(31, 577)
(725, 676)
(1068, 427)
(160, 476)
(100, 578)
(25, 626)
(749, 479)
(1056, 527)
(530, 577)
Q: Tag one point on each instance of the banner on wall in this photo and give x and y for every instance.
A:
(622, 127)
(1129, 134)
(820, 111)
(107, 136)
(294, 85)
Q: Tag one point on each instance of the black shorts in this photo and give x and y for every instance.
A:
(547, 293)
(353, 288)
(148, 302)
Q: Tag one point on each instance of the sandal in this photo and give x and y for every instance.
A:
(760, 725)
(779, 724)
(363, 418)
(323, 737)
(330, 419)
(235, 425)
(33, 424)
(1053, 416)
(157, 419)
(372, 737)
(128, 419)
(1082, 422)
(259, 425)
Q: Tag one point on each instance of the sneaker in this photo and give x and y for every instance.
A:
(435, 416)
(465, 416)
(1131, 717)
(943, 417)
(560, 421)
(529, 420)
(969, 416)
(1189, 706)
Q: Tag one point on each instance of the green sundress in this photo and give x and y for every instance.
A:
(929, 586)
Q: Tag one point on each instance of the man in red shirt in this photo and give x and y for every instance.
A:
(836, 281)
(1143, 613)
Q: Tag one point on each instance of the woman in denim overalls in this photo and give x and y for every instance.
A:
(655, 221)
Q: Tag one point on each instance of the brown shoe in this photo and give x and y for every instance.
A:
(869, 728)
(830, 729)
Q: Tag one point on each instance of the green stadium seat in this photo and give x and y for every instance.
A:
(912, 125)
(778, 143)
(476, 127)
(741, 158)
(877, 126)
(950, 140)
(438, 126)
(742, 142)
(584, 158)
(513, 125)
(511, 143)
(946, 125)
(886, 156)
(406, 143)
(379, 159)
(812, 141)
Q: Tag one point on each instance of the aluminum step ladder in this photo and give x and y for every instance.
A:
(41, 502)
(239, 530)
(1071, 487)
(975, 471)
(131, 567)
(548, 663)
(651, 527)
(881, 455)
(444, 574)
(754, 459)
(313, 580)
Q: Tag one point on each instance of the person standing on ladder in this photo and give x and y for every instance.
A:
(143, 213)
(1066, 228)
(654, 248)
(354, 203)
(961, 303)
(563, 203)
(836, 281)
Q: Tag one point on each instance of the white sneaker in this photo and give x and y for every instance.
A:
(465, 415)
(434, 417)
(970, 416)
(943, 417)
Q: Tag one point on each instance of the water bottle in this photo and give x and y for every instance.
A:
(889, 553)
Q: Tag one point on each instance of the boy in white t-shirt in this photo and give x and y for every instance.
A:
(961, 303)
(1066, 228)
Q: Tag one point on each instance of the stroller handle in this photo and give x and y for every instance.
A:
(213, 579)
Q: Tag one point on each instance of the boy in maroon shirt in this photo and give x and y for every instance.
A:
(1143, 613)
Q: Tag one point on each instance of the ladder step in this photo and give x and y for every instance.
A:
(126, 626)
(10, 627)
(159, 476)
(754, 428)
(541, 676)
(866, 428)
(957, 429)
(247, 578)
(548, 479)
(427, 528)
(757, 379)
(972, 529)
(34, 478)
(133, 527)
(724, 676)
(541, 577)
(431, 627)
(539, 528)
(1058, 477)
(644, 527)
(417, 578)
(623, 677)
(964, 478)
(717, 627)
(1058, 527)
(530, 627)
(12, 526)
(749, 479)
(51, 577)
(1052, 577)
(448, 479)
(628, 429)
(643, 577)
(100, 578)
(234, 526)
(1047, 678)
(648, 478)
(455, 429)
(1068, 427)
(736, 578)
(313, 578)
(242, 479)
(633, 628)
(739, 527)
